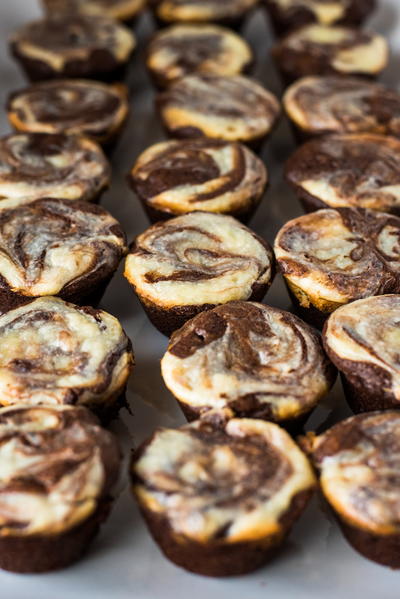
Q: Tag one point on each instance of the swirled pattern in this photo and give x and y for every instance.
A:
(184, 49)
(231, 482)
(37, 165)
(257, 360)
(198, 258)
(361, 170)
(341, 255)
(232, 108)
(367, 332)
(57, 353)
(343, 105)
(292, 13)
(123, 10)
(72, 106)
(47, 244)
(359, 461)
(201, 10)
(56, 465)
(204, 174)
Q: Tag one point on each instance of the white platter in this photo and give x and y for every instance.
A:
(124, 562)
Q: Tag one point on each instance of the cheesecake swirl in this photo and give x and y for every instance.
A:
(201, 10)
(199, 258)
(343, 105)
(48, 244)
(257, 360)
(123, 10)
(56, 465)
(35, 165)
(230, 482)
(57, 353)
(365, 337)
(73, 106)
(341, 255)
(201, 174)
(327, 12)
(359, 461)
(361, 170)
(184, 49)
(233, 108)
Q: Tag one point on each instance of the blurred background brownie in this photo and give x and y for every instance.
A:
(122, 10)
(232, 108)
(322, 50)
(194, 262)
(34, 165)
(220, 497)
(176, 177)
(57, 247)
(78, 106)
(232, 13)
(73, 46)
(59, 353)
(258, 361)
(184, 49)
(286, 15)
(320, 105)
(358, 465)
(58, 468)
(332, 257)
(360, 170)
(363, 340)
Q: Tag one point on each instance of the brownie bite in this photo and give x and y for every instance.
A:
(232, 13)
(122, 10)
(175, 177)
(34, 165)
(332, 257)
(220, 496)
(320, 105)
(73, 106)
(344, 170)
(57, 247)
(232, 108)
(258, 361)
(323, 50)
(73, 46)
(194, 262)
(185, 49)
(358, 465)
(55, 352)
(363, 340)
(58, 468)
(286, 15)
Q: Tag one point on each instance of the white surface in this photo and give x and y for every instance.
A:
(123, 561)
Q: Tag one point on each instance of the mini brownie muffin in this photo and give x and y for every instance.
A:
(290, 14)
(122, 10)
(34, 165)
(322, 50)
(363, 340)
(175, 177)
(232, 108)
(54, 352)
(332, 257)
(58, 468)
(360, 170)
(220, 497)
(232, 13)
(57, 247)
(320, 105)
(73, 46)
(195, 262)
(258, 361)
(358, 464)
(74, 106)
(184, 49)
